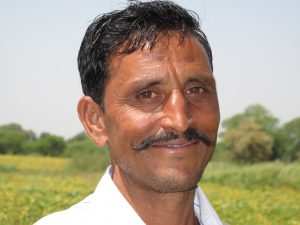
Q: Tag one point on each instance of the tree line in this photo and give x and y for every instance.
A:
(256, 135)
(251, 136)
(85, 156)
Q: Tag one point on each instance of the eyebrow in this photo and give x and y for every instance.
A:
(203, 79)
(148, 81)
(154, 80)
(144, 84)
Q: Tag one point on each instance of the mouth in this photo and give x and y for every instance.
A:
(174, 140)
(175, 144)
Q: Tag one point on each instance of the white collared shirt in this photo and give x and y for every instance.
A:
(107, 206)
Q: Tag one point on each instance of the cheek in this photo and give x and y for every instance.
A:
(126, 129)
(213, 115)
(129, 124)
(207, 118)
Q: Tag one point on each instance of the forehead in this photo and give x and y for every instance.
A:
(168, 49)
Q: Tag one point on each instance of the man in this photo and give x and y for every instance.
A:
(150, 95)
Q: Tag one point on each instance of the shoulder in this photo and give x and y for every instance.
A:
(68, 217)
(62, 218)
(106, 205)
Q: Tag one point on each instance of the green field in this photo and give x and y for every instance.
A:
(268, 193)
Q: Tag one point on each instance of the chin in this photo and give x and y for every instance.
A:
(169, 183)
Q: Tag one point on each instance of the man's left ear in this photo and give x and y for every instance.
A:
(91, 116)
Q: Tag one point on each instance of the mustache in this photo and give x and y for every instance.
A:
(190, 134)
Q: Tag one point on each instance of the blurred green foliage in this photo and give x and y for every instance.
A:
(249, 142)
(254, 136)
(256, 113)
(13, 138)
(85, 155)
(47, 144)
(288, 141)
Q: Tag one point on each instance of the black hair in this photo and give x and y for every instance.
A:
(125, 31)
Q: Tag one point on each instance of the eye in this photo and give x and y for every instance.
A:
(147, 94)
(195, 90)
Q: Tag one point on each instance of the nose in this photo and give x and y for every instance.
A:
(175, 112)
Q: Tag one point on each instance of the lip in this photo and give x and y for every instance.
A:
(175, 145)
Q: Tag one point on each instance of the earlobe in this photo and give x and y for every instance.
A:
(91, 116)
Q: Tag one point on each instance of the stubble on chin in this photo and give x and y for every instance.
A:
(163, 183)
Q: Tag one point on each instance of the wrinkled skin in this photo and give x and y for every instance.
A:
(169, 88)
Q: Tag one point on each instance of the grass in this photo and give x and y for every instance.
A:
(264, 194)
(270, 174)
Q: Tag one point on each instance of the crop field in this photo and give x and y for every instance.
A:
(264, 194)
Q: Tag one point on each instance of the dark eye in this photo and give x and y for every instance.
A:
(195, 90)
(147, 94)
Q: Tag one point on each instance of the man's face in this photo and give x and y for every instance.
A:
(169, 89)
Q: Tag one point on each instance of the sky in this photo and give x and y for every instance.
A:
(255, 45)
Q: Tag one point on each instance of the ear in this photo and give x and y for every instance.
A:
(91, 116)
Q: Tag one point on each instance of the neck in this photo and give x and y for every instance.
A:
(158, 208)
